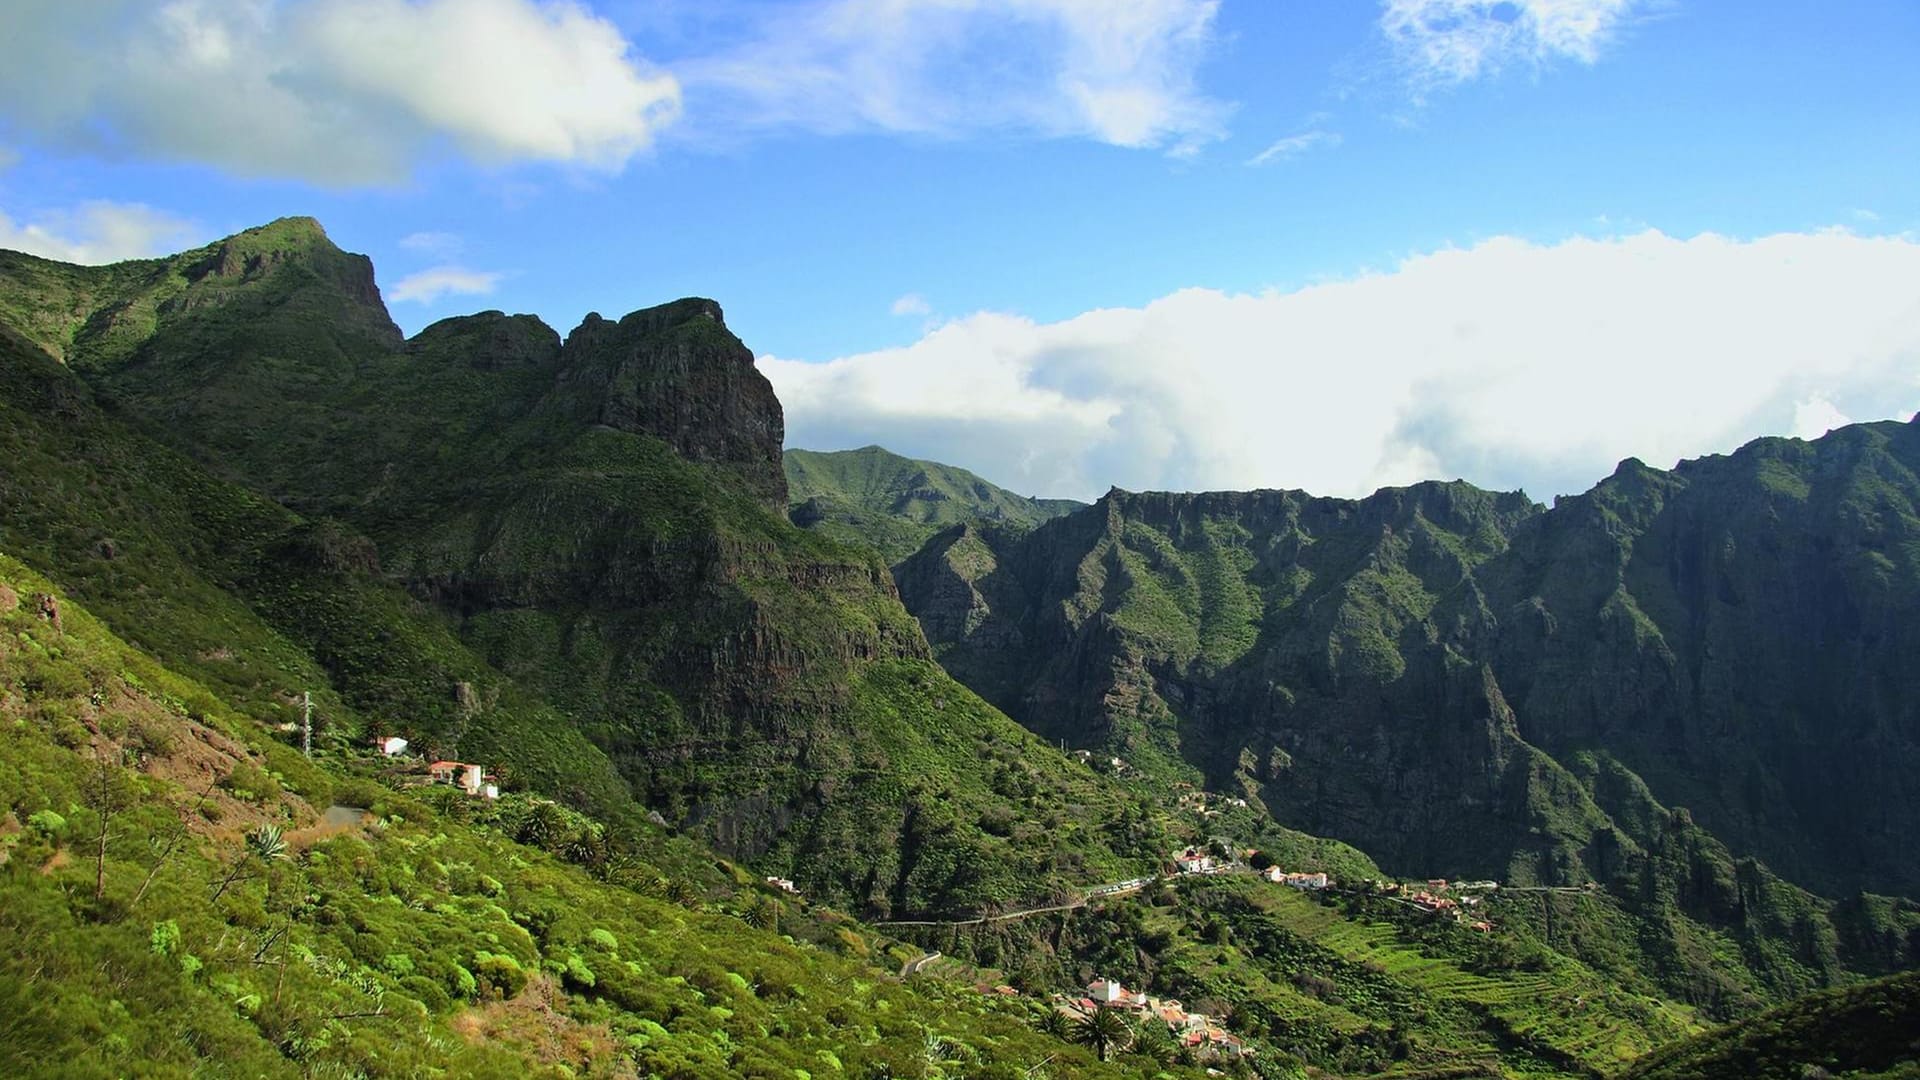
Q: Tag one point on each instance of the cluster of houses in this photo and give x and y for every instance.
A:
(784, 885)
(1434, 898)
(1315, 881)
(473, 779)
(1195, 1031)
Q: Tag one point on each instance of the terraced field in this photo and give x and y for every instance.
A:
(1567, 1006)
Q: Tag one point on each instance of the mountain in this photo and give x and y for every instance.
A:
(489, 531)
(895, 503)
(1733, 633)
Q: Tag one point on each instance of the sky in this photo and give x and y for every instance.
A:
(1072, 244)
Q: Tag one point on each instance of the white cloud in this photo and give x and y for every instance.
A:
(1294, 145)
(912, 304)
(1116, 71)
(98, 232)
(426, 286)
(432, 243)
(1509, 363)
(335, 91)
(1444, 43)
(1815, 417)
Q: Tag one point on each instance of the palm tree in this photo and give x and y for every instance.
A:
(763, 914)
(1154, 1042)
(1054, 1022)
(1104, 1031)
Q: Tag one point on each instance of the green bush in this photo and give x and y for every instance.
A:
(498, 973)
(47, 823)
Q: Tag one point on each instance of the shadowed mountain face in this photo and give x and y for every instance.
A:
(488, 522)
(1459, 681)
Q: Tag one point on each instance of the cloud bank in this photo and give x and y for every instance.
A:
(334, 91)
(1509, 363)
(98, 232)
(1121, 72)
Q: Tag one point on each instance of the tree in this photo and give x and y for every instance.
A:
(1155, 1043)
(1054, 1022)
(764, 914)
(1104, 1031)
(106, 793)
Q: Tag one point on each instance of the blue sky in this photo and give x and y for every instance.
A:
(1073, 243)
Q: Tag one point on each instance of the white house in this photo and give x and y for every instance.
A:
(390, 745)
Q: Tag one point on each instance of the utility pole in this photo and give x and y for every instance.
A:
(306, 724)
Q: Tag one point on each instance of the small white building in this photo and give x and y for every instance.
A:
(390, 745)
(784, 885)
(1194, 862)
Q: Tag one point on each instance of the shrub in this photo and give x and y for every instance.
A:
(47, 824)
(165, 938)
(499, 973)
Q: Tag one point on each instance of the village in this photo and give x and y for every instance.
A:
(1197, 1032)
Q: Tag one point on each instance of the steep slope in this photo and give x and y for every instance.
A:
(1871, 1030)
(588, 531)
(1733, 632)
(1739, 633)
(895, 503)
(182, 896)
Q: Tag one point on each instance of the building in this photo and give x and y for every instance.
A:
(784, 885)
(468, 777)
(1194, 861)
(389, 745)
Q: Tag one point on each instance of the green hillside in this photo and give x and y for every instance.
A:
(204, 902)
(895, 503)
(1864, 1031)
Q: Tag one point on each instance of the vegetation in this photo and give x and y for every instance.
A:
(433, 932)
(872, 496)
(1871, 1030)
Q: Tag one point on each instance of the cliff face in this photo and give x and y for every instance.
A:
(674, 372)
(1425, 672)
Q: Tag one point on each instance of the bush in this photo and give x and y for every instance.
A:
(165, 938)
(498, 973)
(47, 824)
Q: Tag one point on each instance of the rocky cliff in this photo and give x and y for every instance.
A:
(1421, 671)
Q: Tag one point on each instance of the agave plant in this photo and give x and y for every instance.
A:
(267, 843)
